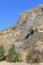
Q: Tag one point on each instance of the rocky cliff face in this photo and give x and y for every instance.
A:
(24, 32)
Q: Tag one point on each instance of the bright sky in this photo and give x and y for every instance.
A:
(10, 9)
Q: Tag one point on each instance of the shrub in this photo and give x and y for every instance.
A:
(18, 57)
(2, 52)
(12, 55)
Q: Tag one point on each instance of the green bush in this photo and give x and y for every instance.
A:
(2, 52)
(18, 57)
(12, 55)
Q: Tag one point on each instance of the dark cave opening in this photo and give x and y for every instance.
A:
(31, 32)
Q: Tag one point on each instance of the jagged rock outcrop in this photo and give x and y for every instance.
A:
(22, 33)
